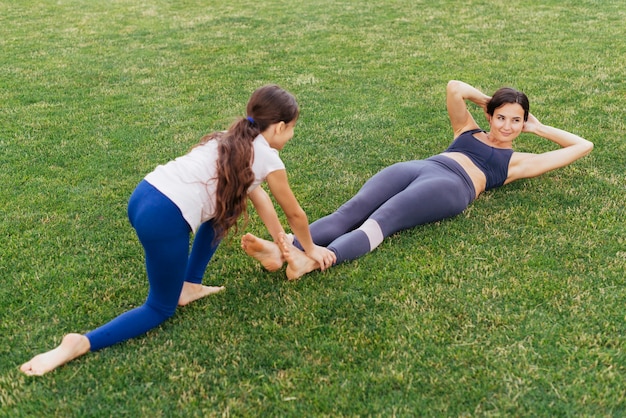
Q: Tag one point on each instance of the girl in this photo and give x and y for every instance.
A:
(203, 192)
(413, 193)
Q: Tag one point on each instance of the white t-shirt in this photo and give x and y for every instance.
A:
(190, 181)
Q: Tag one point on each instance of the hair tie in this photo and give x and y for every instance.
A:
(250, 119)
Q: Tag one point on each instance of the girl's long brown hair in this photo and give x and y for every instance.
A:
(267, 105)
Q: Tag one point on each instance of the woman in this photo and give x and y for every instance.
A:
(413, 193)
(204, 192)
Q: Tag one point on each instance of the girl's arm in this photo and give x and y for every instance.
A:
(457, 92)
(265, 209)
(297, 219)
(526, 165)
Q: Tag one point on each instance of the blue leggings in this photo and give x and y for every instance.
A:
(165, 236)
(398, 197)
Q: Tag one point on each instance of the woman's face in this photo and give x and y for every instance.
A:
(507, 122)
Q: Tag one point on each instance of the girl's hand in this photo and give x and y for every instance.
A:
(323, 256)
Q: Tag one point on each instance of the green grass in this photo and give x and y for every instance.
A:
(514, 308)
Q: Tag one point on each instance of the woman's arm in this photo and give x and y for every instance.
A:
(297, 219)
(457, 92)
(526, 165)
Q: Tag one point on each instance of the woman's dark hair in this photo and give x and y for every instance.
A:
(268, 105)
(508, 95)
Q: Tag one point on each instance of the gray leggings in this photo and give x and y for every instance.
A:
(398, 197)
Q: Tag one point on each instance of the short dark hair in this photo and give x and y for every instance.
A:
(508, 95)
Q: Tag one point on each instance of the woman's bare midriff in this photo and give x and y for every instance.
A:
(478, 177)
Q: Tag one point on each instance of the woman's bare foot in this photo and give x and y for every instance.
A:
(266, 252)
(72, 346)
(195, 291)
(298, 263)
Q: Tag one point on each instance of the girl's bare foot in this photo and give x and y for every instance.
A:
(266, 252)
(195, 291)
(72, 346)
(298, 263)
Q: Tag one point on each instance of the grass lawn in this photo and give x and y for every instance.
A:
(514, 308)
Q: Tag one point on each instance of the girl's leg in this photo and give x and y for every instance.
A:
(204, 246)
(164, 235)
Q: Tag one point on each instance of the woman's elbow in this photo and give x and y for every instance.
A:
(587, 147)
(453, 85)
